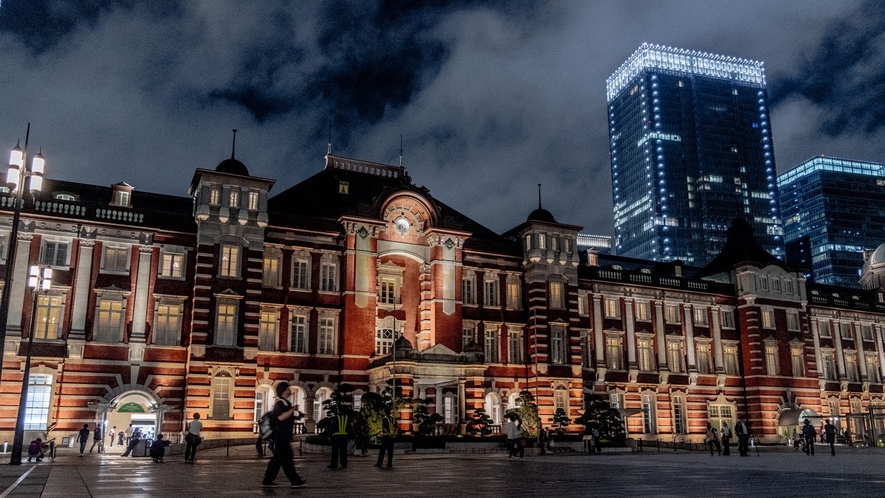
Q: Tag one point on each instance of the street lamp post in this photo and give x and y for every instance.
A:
(39, 279)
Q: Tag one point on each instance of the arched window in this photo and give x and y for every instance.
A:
(493, 407)
(513, 401)
(264, 401)
(221, 395)
(297, 398)
(322, 394)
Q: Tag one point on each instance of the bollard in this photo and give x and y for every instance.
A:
(5, 446)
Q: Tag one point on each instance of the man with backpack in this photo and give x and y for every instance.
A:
(282, 426)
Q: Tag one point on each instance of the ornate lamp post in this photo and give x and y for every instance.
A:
(39, 279)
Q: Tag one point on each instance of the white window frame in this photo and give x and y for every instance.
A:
(492, 343)
(680, 418)
(222, 395)
(676, 354)
(327, 334)
(727, 318)
(614, 350)
(612, 307)
(468, 334)
(229, 256)
(50, 314)
(269, 329)
(705, 357)
(645, 353)
(329, 276)
(301, 271)
(491, 295)
(38, 402)
(514, 293)
(253, 201)
(51, 257)
(514, 345)
(772, 358)
(643, 311)
(672, 314)
(110, 318)
(271, 271)
(168, 317)
(731, 358)
(797, 359)
(793, 321)
(171, 265)
(559, 344)
(299, 330)
(115, 259)
(766, 318)
(700, 316)
(649, 413)
(225, 333)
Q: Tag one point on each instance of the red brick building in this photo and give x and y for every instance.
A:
(163, 306)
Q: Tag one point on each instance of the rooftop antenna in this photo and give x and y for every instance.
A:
(329, 151)
(233, 148)
(539, 196)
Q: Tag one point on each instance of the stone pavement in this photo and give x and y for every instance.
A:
(238, 474)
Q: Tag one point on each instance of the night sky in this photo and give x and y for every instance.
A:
(490, 97)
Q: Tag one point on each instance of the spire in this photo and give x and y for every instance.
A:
(233, 148)
(329, 151)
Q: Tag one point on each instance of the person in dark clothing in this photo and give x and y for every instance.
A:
(388, 434)
(725, 434)
(158, 449)
(742, 431)
(35, 450)
(83, 437)
(340, 434)
(133, 442)
(830, 432)
(542, 440)
(281, 439)
(809, 434)
(97, 439)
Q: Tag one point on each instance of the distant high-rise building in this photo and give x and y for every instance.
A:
(691, 150)
(839, 205)
(602, 244)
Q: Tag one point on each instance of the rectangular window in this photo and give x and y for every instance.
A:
(225, 331)
(37, 402)
(674, 356)
(788, 286)
(221, 398)
(643, 311)
(167, 324)
(492, 349)
(679, 415)
(116, 259)
(542, 241)
(556, 298)
(763, 284)
(300, 275)
(614, 353)
(772, 365)
(649, 414)
(514, 345)
(830, 372)
(270, 276)
(582, 303)
(514, 295)
(491, 297)
(558, 346)
(121, 198)
(54, 253)
(267, 331)
(700, 316)
(230, 261)
(824, 328)
(705, 358)
(845, 331)
(109, 327)
(612, 307)
(234, 198)
(731, 360)
(172, 265)
(671, 313)
(866, 332)
(646, 355)
(383, 340)
(797, 361)
(215, 197)
(851, 367)
(767, 319)
(728, 319)
(776, 285)
(872, 369)
(49, 314)
(253, 201)
(388, 291)
(616, 400)
(326, 336)
(468, 291)
(792, 321)
(468, 336)
(298, 330)
(329, 277)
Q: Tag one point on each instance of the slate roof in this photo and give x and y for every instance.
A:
(740, 247)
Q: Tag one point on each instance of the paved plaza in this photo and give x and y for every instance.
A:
(776, 472)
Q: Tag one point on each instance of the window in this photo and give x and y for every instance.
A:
(230, 261)
(772, 365)
(225, 324)
(720, 414)
(671, 313)
(763, 283)
(300, 274)
(612, 307)
(329, 276)
(646, 354)
(792, 321)
(221, 387)
(116, 259)
(614, 352)
(322, 394)
(514, 345)
(268, 330)
(866, 332)
(731, 360)
(449, 412)
(298, 333)
(326, 336)
(253, 201)
(109, 326)
(468, 290)
(37, 402)
(705, 357)
(583, 309)
(558, 345)
(343, 187)
(384, 339)
(824, 329)
(121, 198)
(514, 294)
(234, 198)
(50, 310)
(542, 241)
(674, 355)
(616, 400)
(215, 197)
(797, 360)
(560, 399)
(263, 402)
(776, 285)
(649, 414)
(491, 294)
(65, 197)
(167, 324)
(700, 316)
(492, 407)
(851, 366)
(388, 291)
(554, 243)
(492, 349)
(528, 242)
(643, 311)
(679, 415)
(54, 253)
(872, 368)
(172, 265)
(468, 335)
(829, 361)
(767, 319)
(845, 331)
(270, 276)
(833, 405)
(788, 286)
(728, 319)
(556, 297)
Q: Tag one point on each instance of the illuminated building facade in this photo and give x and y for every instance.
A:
(691, 148)
(836, 204)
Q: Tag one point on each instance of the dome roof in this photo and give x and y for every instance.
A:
(233, 167)
(878, 256)
(541, 215)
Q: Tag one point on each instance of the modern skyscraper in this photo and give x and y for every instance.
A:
(691, 150)
(837, 204)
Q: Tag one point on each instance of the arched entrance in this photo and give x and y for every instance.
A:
(792, 419)
(138, 407)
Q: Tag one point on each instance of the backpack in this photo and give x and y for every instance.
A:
(266, 425)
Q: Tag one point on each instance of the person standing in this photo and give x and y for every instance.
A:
(82, 437)
(281, 440)
(340, 433)
(97, 439)
(712, 438)
(193, 439)
(830, 432)
(112, 435)
(388, 434)
(743, 433)
(542, 440)
(809, 434)
(726, 439)
(513, 430)
(129, 432)
(133, 442)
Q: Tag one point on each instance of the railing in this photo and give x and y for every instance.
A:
(662, 281)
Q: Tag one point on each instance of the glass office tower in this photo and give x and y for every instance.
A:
(691, 150)
(838, 206)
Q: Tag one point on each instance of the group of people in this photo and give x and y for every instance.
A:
(807, 435)
(719, 441)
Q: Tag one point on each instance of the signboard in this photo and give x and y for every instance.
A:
(130, 408)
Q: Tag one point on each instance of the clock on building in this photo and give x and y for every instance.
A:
(402, 225)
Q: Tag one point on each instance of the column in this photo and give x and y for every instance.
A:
(142, 284)
(877, 331)
(688, 327)
(818, 360)
(716, 326)
(861, 356)
(597, 329)
(631, 336)
(20, 280)
(662, 341)
(840, 355)
(81, 290)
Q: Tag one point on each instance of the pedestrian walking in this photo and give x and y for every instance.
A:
(713, 439)
(809, 434)
(82, 437)
(743, 433)
(112, 434)
(830, 432)
(388, 434)
(513, 430)
(281, 439)
(193, 439)
(97, 439)
(725, 433)
(340, 434)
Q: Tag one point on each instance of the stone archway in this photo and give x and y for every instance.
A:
(130, 404)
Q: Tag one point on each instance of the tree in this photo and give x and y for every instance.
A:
(527, 411)
(480, 423)
(601, 416)
(340, 402)
(426, 421)
(560, 420)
